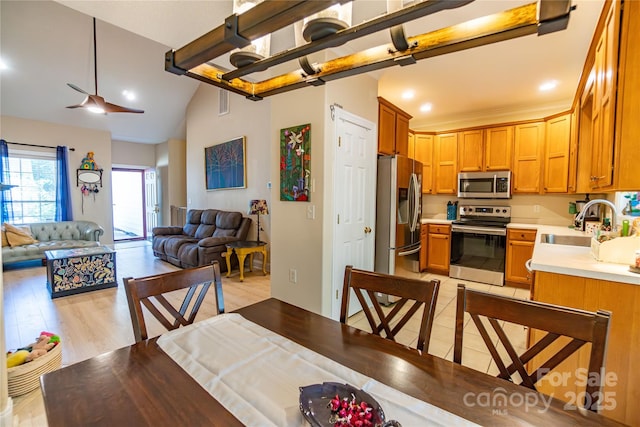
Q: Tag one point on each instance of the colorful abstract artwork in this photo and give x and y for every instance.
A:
(295, 163)
(225, 165)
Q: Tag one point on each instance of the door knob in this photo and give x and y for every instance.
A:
(367, 230)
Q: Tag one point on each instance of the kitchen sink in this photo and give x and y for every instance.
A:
(566, 240)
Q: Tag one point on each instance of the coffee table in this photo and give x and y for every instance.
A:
(72, 271)
(242, 249)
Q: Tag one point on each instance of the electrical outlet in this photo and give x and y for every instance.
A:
(536, 208)
(293, 275)
(269, 185)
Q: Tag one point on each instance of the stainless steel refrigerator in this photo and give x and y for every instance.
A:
(398, 212)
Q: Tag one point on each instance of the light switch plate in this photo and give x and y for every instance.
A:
(311, 212)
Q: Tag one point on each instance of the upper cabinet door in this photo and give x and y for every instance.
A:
(386, 130)
(402, 134)
(527, 157)
(446, 156)
(424, 154)
(393, 129)
(498, 143)
(556, 166)
(471, 151)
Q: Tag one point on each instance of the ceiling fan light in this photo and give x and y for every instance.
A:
(129, 95)
(96, 110)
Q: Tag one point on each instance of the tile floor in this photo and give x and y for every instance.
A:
(474, 353)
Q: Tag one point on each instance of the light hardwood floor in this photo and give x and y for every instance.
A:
(97, 322)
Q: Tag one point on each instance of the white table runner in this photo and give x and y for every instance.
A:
(256, 374)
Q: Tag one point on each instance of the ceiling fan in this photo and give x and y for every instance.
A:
(95, 103)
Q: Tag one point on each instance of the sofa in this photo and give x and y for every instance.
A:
(48, 236)
(202, 239)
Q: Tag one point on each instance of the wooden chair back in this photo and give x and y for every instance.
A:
(580, 326)
(150, 292)
(413, 293)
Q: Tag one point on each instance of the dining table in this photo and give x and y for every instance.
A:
(145, 384)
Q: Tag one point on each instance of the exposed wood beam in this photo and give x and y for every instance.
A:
(264, 18)
(418, 10)
(510, 24)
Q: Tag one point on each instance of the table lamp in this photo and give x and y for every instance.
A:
(258, 207)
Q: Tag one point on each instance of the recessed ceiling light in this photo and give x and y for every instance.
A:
(408, 94)
(425, 108)
(129, 95)
(546, 86)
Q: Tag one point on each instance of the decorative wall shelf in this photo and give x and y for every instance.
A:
(89, 176)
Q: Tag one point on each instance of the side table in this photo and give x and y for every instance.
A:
(242, 249)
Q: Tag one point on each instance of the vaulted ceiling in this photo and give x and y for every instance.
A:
(47, 44)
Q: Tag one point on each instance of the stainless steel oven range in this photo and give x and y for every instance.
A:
(478, 243)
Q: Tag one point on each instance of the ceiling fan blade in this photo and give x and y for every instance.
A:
(83, 104)
(96, 103)
(113, 108)
(72, 86)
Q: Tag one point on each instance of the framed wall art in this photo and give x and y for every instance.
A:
(295, 163)
(224, 165)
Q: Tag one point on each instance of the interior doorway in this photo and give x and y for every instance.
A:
(129, 222)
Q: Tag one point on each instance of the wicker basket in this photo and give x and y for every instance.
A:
(25, 378)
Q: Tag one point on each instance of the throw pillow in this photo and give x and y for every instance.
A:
(20, 235)
(5, 242)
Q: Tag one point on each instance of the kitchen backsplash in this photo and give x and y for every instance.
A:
(526, 209)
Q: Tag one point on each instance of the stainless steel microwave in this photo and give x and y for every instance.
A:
(484, 185)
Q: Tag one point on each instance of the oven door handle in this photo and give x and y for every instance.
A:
(409, 252)
(479, 230)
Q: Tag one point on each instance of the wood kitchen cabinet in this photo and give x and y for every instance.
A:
(485, 149)
(424, 154)
(556, 158)
(446, 163)
(520, 244)
(438, 248)
(604, 100)
(528, 147)
(498, 148)
(623, 301)
(393, 129)
(424, 245)
(411, 152)
(471, 151)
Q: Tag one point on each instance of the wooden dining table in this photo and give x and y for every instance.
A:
(141, 385)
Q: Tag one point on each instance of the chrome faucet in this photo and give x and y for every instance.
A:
(580, 217)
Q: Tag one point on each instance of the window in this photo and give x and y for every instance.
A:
(34, 174)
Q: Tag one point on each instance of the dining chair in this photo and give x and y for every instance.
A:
(579, 326)
(413, 293)
(151, 292)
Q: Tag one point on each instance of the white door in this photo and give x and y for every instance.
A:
(151, 200)
(354, 192)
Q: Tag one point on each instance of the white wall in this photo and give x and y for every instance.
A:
(299, 243)
(205, 128)
(132, 155)
(83, 140)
